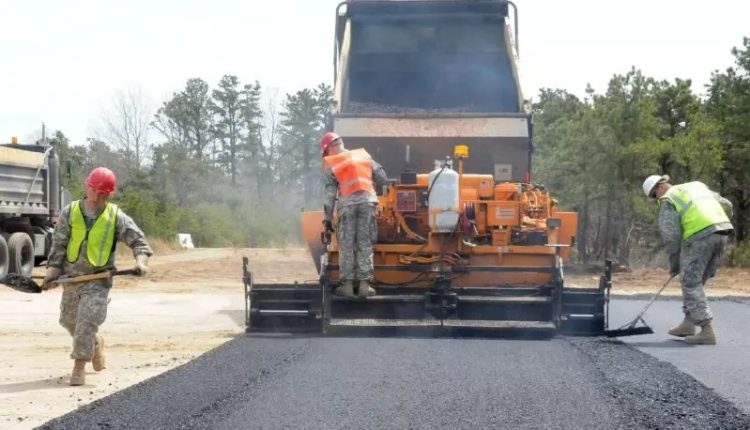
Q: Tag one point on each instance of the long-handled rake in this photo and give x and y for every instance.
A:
(630, 329)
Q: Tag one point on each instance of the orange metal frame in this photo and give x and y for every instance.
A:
(500, 210)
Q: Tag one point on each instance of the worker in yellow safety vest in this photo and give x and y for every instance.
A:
(84, 243)
(694, 223)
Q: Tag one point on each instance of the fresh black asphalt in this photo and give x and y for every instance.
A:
(356, 382)
(724, 367)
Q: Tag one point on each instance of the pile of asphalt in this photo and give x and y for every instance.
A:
(655, 394)
(393, 382)
(380, 108)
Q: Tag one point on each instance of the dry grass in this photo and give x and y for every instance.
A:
(160, 247)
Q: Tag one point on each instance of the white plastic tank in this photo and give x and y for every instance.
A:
(443, 198)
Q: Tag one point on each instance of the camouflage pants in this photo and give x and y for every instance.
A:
(698, 263)
(82, 310)
(357, 230)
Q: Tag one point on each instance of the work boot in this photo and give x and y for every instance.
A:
(686, 328)
(705, 337)
(365, 290)
(346, 289)
(98, 362)
(78, 377)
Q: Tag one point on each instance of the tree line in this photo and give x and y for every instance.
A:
(225, 164)
(594, 153)
(233, 165)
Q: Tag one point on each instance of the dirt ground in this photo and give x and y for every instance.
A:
(190, 303)
(728, 282)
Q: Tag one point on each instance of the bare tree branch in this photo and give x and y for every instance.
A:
(126, 125)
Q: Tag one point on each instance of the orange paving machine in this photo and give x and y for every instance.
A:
(463, 240)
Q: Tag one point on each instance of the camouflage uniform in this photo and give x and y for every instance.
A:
(696, 258)
(356, 225)
(84, 306)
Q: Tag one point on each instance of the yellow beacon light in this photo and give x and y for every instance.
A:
(461, 151)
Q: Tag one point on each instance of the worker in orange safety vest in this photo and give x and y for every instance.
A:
(352, 175)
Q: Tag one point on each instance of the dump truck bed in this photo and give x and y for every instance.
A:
(23, 182)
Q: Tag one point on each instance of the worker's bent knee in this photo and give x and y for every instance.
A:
(68, 325)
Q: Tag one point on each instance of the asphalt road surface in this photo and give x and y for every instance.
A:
(271, 382)
(724, 367)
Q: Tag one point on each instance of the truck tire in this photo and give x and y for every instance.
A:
(21, 251)
(4, 257)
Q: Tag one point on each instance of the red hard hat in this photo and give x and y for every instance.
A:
(327, 140)
(102, 180)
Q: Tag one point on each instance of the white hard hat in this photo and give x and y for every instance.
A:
(650, 183)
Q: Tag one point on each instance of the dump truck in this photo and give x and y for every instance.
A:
(465, 238)
(30, 201)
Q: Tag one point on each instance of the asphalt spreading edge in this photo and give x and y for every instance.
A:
(655, 394)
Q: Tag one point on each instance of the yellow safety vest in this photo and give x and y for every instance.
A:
(696, 206)
(100, 238)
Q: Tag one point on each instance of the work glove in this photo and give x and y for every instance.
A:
(328, 225)
(141, 264)
(53, 273)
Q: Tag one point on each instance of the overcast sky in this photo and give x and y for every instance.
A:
(62, 61)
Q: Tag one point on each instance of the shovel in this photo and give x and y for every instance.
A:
(26, 284)
(630, 329)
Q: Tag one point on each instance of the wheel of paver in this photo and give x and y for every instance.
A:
(4, 256)
(21, 252)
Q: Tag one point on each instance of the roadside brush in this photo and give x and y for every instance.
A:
(630, 329)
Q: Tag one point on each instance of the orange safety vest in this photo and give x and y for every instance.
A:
(353, 171)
